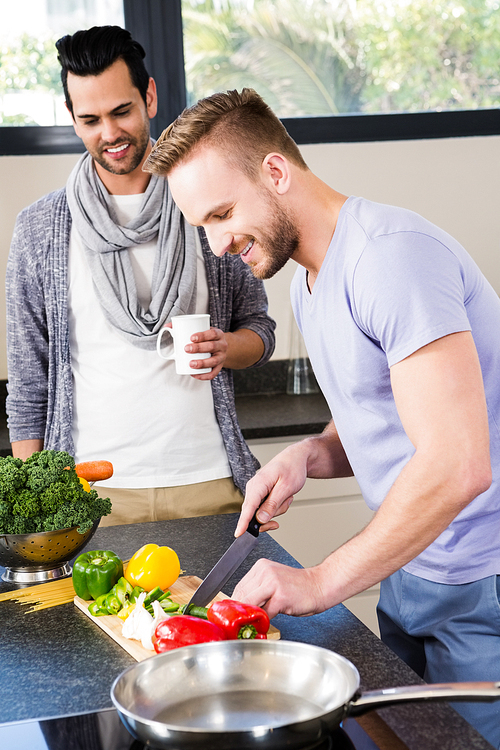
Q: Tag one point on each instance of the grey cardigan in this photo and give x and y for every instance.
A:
(40, 382)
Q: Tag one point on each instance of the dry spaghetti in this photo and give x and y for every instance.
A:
(43, 595)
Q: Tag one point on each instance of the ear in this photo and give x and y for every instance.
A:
(151, 99)
(277, 173)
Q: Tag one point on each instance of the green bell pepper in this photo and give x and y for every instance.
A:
(95, 573)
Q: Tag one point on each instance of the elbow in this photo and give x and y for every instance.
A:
(476, 478)
(485, 480)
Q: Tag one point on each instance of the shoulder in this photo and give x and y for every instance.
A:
(38, 225)
(380, 221)
(46, 203)
(45, 206)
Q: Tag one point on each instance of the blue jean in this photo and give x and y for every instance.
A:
(447, 634)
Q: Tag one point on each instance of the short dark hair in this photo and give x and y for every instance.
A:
(91, 51)
(240, 124)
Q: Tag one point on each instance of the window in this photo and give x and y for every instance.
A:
(330, 57)
(334, 70)
(30, 84)
(347, 70)
(33, 116)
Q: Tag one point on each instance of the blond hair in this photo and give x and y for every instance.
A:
(241, 125)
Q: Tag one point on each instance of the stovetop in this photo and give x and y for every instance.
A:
(103, 730)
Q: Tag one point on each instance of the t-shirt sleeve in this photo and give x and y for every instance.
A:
(407, 291)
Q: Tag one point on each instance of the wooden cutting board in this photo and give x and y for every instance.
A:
(181, 592)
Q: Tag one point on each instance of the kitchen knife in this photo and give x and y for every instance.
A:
(224, 569)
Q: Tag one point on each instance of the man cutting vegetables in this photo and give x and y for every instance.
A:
(95, 271)
(403, 332)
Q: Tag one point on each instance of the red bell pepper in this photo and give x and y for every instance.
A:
(239, 620)
(184, 630)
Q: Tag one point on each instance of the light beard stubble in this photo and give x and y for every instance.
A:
(279, 245)
(141, 144)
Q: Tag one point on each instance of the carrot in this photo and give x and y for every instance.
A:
(94, 471)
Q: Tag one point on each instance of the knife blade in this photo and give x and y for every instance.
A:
(226, 566)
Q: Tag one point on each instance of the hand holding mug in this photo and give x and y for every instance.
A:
(209, 343)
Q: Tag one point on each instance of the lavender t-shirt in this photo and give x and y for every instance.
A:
(392, 282)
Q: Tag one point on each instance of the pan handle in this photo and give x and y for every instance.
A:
(448, 691)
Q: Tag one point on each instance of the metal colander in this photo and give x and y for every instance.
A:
(42, 556)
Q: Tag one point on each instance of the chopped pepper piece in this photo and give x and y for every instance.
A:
(239, 620)
(123, 590)
(136, 592)
(95, 573)
(184, 630)
(118, 597)
(112, 603)
(153, 595)
(194, 610)
(126, 611)
(98, 607)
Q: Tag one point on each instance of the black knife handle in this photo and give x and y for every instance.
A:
(254, 526)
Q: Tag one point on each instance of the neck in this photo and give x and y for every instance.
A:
(319, 208)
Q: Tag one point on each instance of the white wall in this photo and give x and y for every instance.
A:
(454, 182)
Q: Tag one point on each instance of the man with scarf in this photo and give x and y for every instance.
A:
(95, 270)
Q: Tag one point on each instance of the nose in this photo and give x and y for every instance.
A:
(111, 130)
(220, 241)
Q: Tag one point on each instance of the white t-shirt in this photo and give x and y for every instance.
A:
(130, 407)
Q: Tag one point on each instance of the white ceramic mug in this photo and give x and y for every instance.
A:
(183, 327)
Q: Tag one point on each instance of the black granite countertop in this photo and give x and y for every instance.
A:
(57, 662)
(265, 410)
(271, 415)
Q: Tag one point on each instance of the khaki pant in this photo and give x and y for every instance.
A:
(164, 503)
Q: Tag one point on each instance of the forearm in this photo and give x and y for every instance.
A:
(25, 448)
(326, 457)
(244, 348)
(318, 457)
(406, 523)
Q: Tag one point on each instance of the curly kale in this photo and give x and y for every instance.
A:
(44, 493)
(26, 504)
(82, 512)
(12, 477)
(43, 468)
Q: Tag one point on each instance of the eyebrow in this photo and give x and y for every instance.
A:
(113, 111)
(215, 210)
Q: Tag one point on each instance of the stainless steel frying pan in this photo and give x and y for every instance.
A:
(248, 694)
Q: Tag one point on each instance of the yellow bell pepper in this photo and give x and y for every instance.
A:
(152, 566)
(85, 484)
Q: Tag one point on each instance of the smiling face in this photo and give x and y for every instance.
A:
(240, 216)
(112, 120)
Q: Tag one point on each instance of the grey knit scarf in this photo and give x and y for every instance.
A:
(173, 289)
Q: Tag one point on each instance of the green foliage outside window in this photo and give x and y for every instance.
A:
(314, 57)
(28, 64)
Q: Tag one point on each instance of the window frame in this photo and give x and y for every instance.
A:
(165, 62)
